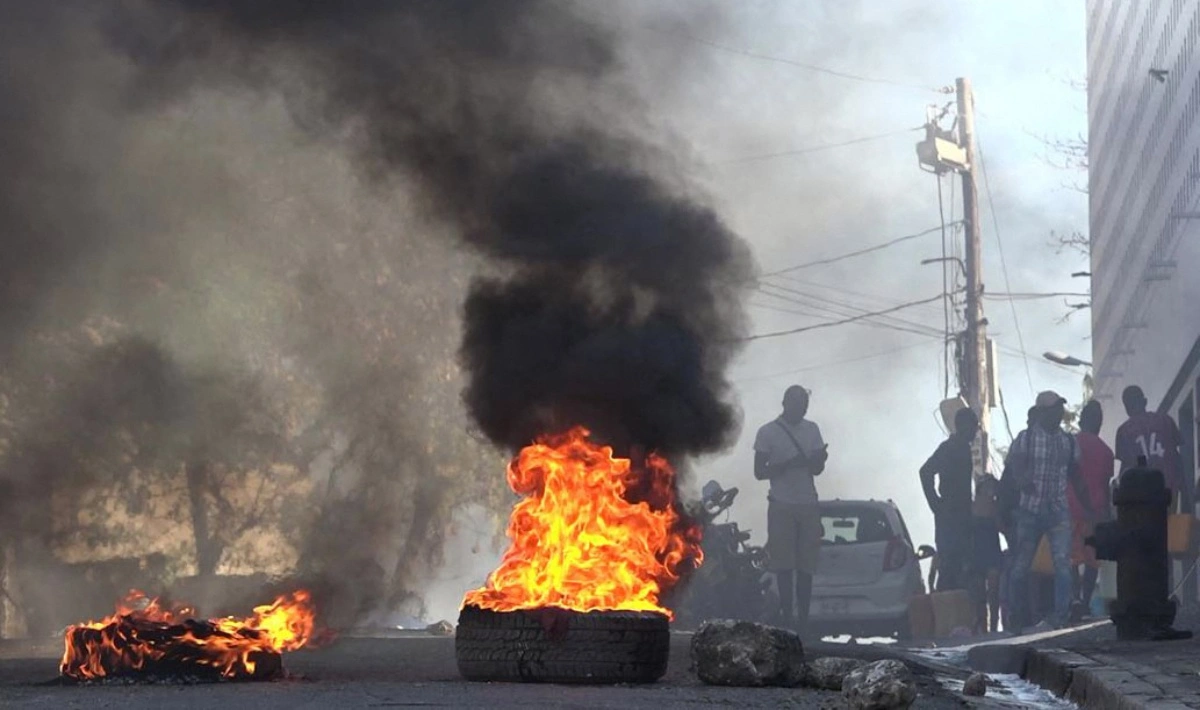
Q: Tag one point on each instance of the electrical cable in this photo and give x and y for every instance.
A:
(845, 309)
(831, 363)
(1003, 264)
(896, 324)
(1004, 410)
(815, 148)
(1184, 578)
(945, 296)
(899, 327)
(848, 255)
(852, 319)
(877, 299)
(1034, 296)
(802, 65)
(891, 322)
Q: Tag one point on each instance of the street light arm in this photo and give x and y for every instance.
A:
(1064, 359)
(941, 259)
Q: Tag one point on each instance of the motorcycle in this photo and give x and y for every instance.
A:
(732, 582)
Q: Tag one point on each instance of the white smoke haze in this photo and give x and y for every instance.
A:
(875, 389)
(243, 245)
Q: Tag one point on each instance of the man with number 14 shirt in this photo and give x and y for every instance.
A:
(1154, 436)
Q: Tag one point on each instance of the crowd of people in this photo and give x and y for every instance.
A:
(1054, 488)
(1056, 485)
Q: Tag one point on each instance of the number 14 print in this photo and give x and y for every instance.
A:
(1154, 450)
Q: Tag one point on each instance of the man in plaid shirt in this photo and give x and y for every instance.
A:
(1044, 459)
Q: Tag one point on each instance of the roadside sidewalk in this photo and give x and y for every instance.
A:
(1092, 669)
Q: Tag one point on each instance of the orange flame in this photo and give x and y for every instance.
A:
(143, 632)
(593, 533)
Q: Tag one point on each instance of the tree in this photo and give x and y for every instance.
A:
(1070, 154)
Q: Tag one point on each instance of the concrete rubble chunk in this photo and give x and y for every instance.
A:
(440, 628)
(976, 685)
(743, 653)
(882, 685)
(828, 673)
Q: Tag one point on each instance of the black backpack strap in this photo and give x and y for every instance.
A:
(787, 431)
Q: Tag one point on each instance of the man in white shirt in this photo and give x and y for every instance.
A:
(789, 452)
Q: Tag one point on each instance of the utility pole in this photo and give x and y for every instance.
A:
(946, 151)
(975, 352)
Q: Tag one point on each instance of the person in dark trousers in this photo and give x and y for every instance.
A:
(986, 560)
(1096, 469)
(1045, 460)
(789, 452)
(952, 465)
(1008, 497)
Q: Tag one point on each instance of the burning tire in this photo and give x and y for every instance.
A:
(559, 646)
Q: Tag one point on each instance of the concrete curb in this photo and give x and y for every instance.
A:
(1088, 683)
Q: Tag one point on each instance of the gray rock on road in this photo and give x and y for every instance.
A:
(976, 685)
(743, 653)
(882, 685)
(828, 673)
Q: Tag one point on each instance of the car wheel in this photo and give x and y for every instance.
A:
(560, 646)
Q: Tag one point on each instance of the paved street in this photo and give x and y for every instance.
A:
(417, 671)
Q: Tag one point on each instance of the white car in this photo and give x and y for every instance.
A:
(867, 572)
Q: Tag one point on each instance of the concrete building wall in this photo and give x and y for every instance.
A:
(1144, 180)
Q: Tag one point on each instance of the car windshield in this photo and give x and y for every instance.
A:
(848, 526)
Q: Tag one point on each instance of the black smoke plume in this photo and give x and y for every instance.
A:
(160, 332)
(616, 306)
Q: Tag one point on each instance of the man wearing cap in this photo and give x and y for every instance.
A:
(1045, 460)
(789, 452)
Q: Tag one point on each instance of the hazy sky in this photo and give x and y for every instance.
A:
(877, 412)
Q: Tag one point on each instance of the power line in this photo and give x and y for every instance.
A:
(838, 308)
(871, 303)
(899, 325)
(1004, 409)
(852, 319)
(852, 254)
(817, 148)
(833, 306)
(802, 65)
(878, 298)
(831, 314)
(1034, 296)
(896, 324)
(831, 363)
(946, 304)
(1003, 264)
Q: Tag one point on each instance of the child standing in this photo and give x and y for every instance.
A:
(986, 558)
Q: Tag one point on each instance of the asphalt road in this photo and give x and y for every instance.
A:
(415, 671)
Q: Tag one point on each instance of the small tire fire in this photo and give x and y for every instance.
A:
(147, 641)
(561, 646)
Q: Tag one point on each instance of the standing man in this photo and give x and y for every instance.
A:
(1044, 460)
(1096, 470)
(1008, 502)
(789, 452)
(1156, 437)
(953, 465)
(987, 561)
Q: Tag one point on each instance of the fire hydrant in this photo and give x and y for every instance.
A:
(1137, 542)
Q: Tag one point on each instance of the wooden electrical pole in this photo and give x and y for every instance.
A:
(975, 351)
